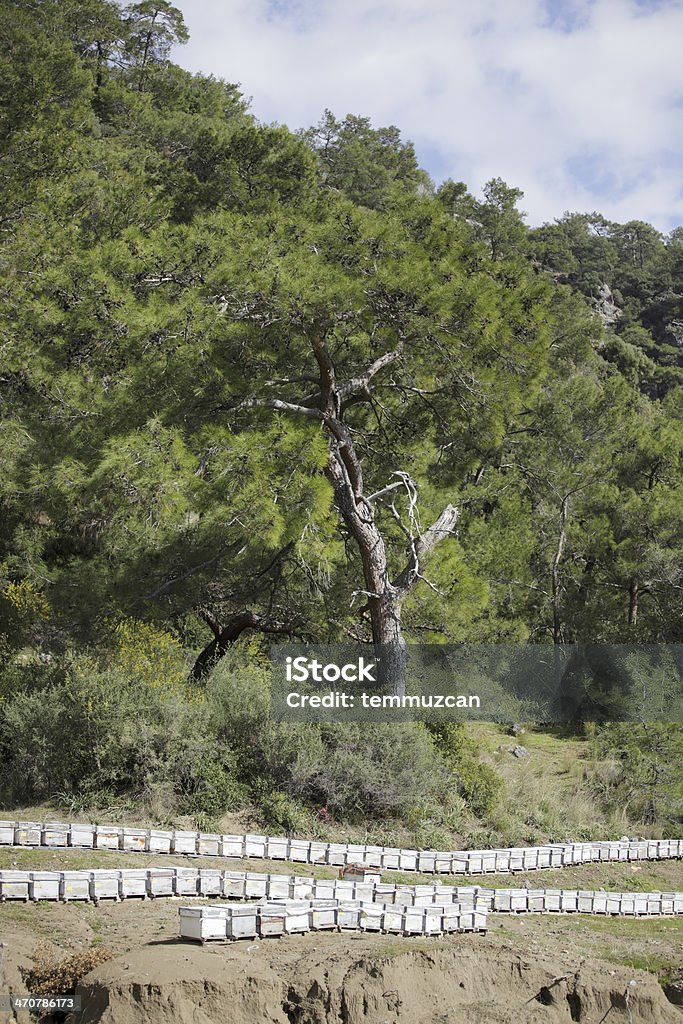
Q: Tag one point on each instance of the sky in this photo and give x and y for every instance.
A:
(579, 103)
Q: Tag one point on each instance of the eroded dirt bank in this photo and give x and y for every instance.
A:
(335, 980)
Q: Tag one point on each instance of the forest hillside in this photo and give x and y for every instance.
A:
(260, 384)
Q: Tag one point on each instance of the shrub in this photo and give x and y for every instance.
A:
(479, 783)
(50, 976)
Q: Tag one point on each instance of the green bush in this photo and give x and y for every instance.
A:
(479, 783)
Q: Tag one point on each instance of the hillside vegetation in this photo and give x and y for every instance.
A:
(250, 378)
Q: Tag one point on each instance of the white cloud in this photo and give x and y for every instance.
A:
(577, 102)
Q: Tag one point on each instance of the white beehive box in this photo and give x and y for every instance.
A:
(184, 842)
(488, 863)
(297, 919)
(391, 858)
(256, 885)
(324, 889)
(392, 920)
(519, 901)
(159, 841)
(501, 900)
(543, 857)
(470, 893)
(600, 903)
(27, 833)
(413, 921)
(237, 881)
(242, 921)
(336, 854)
(6, 833)
(232, 846)
(323, 915)
(536, 901)
(255, 846)
(516, 860)
(480, 922)
(426, 861)
(210, 882)
(502, 861)
(348, 915)
(162, 881)
(209, 844)
(614, 903)
(277, 848)
(214, 923)
(442, 863)
(104, 885)
(13, 885)
(373, 856)
(299, 850)
(475, 862)
(271, 920)
(569, 901)
(55, 833)
(423, 896)
(134, 882)
(450, 921)
(343, 889)
(203, 923)
(432, 920)
(384, 892)
(371, 917)
(44, 885)
(355, 853)
(185, 881)
(530, 859)
(107, 837)
(404, 895)
(278, 887)
(191, 923)
(82, 836)
(134, 840)
(302, 888)
(552, 900)
(75, 885)
(407, 860)
(363, 891)
(317, 853)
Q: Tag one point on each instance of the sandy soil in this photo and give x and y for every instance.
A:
(527, 968)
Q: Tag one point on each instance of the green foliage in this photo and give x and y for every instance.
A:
(170, 270)
(645, 777)
(478, 782)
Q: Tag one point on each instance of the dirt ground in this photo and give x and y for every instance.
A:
(527, 968)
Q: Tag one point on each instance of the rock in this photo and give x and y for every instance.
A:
(521, 751)
(517, 730)
(605, 307)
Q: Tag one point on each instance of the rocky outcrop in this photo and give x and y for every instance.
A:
(605, 307)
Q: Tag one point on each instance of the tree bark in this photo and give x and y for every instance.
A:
(226, 635)
(633, 598)
(345, 474)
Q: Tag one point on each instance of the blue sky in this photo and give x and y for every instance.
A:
(577, 102)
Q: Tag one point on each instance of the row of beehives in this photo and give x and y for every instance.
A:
(470, 862)
(247, 921)
(124, 883)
